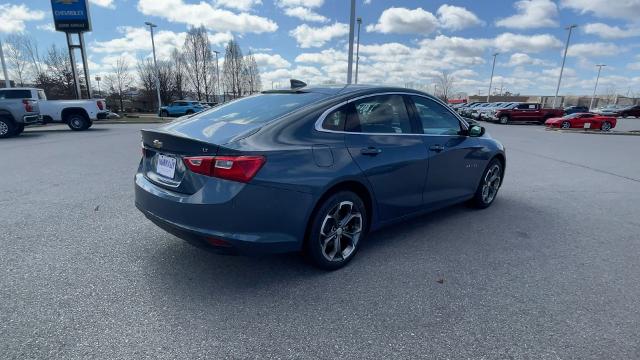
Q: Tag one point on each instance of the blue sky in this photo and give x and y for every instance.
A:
(401, 41)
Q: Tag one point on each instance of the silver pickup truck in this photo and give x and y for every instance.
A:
(16, 112)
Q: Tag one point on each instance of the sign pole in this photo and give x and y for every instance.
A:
(85, 66)
(74, 70)
(7, 82)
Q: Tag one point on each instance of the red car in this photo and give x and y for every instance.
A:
(578, 120)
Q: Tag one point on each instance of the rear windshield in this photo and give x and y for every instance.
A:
(226, 121)
(15, 94)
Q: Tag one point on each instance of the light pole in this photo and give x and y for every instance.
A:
(217, 70)
(155, 63)
(98, 78)
(491, 79)
(352, 21)
(7, 83)
(564, 58)
(596, 87)
(359, 20)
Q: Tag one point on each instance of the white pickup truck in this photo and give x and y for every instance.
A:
(77, 114)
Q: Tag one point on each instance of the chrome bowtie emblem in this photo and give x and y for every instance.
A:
(157, 144)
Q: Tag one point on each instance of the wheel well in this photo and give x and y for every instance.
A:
(503, 161)
(350, 185)
(74, 111)
(7, 115)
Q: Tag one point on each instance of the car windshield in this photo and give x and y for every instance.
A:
(571, 116)
(224, 122)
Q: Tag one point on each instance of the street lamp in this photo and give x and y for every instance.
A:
(217, 70)
(491, 79)
(7, 83)
(98, 78)
(596, 87)
(155, 63)
(359, 20)
(352, 21)
(564, 58)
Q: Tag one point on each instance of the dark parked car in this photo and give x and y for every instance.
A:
(575, 109)
(312, 169)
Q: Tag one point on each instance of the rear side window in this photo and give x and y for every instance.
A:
(42, 95)
(435, 118)
(15, 94)
(336, 119)
(382, 114)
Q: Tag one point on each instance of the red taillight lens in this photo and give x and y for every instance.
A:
(100, 105)
(27, 105)
(235, 168)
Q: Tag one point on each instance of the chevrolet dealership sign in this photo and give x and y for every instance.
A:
(71, 15)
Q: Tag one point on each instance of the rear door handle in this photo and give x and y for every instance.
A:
(370, 151)
(436, 148)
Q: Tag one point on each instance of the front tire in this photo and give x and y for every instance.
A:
(164, 113)
(504, 119)
(566, 125)
(606, 126)
(489, 185)
(7, 129)
(336, 231)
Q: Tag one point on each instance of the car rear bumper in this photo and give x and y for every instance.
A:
(255, 219)
(101, 115)
(31, 119)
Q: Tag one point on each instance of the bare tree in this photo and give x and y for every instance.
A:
(178, 72)
(445, 83)
(200, 62)
(120, 80)
(55, 76)
(251, 75)
(16, 57)
(147, 77)
(232, 69)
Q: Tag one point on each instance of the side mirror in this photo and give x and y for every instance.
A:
(476, 131)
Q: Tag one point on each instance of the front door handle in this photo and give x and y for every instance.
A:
(370, 151)
(436, 148)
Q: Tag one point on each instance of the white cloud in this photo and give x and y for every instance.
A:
(242, 5)
(139, 39)
(205, 14)
(464, 73)
(47, 27)
(305, 14)
(617, 9)
(303, 3)
(526, 43)
(610, 32)
(531, 14)
(104, 3)
(521, 59)
(456, 17)
(405, 21)
(328, 56)
(271, 61)
(12, 17)
(308, 36)
(594, 49)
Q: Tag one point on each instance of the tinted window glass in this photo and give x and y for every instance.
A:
(223, 122)
(17, 94)
(386, 114)
(336, 119)
(435, 118)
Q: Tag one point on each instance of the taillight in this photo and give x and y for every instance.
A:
(27, 105)
(100, 105)
(235, 168)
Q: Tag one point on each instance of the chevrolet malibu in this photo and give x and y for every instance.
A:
(312, 169)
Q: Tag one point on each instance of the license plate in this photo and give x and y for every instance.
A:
(166, 166)
(587, 125)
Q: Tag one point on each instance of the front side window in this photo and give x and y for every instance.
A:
(435, 118)
(381, 114)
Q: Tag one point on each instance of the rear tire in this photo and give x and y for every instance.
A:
(164, 113)
(489, 185)
(606, 126)
(504, 119)
(19, 129)
(189, 112)
(77, 122)
(7, 128)
(336, 231)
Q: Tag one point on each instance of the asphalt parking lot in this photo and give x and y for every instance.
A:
(550, 271)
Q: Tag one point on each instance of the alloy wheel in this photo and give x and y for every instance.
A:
(340, 231)
(606, 126)
(491, 183)
(566, 124)
(4, 128)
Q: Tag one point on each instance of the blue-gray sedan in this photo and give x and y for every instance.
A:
(312, 169)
